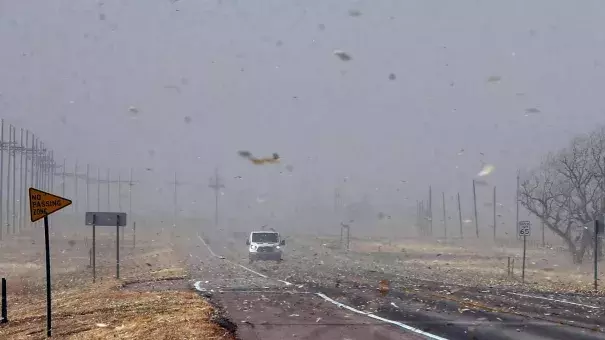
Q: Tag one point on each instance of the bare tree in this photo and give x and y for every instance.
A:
(567, 189)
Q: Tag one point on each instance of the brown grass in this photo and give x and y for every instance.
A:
(546, 269)
(105, 311)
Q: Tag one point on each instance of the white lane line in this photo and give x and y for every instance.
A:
(554, 300)
(402, 325)
(207, 246)
(239, 265)
(248, 269)
(257, 273)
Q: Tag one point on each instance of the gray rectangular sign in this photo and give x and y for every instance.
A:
(106, 219)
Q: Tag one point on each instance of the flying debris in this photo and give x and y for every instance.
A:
(354, 12)
(344, 56)
(259, 161)
(487, 169)
(383, 287)
(245, 154)
(270, 160)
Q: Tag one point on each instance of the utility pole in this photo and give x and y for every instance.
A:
(21, 186)
(87, 187)
(75, 199)
(475, 204)
(418, 224)
(420, 219)
(130, 185)
(216, 185)
(517, 203)
(175, 200)
(430, 211)
(33, 169)
(119, 191)
(99, 181)
(1, 172)
(176, 184)
(76, 177)
(444, 216)
(495, 213)
(32, 151)
(63, 177)
(460, 217)
(98, 189)
(25, 196)
(108, 181)
(8, 178)
(50, 170)
(423, 224)
(108, 191)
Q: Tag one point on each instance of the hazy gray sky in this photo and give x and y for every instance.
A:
(262, 76)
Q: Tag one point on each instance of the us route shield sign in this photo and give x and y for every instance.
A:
(42, 204)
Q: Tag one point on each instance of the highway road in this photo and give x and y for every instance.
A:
(313, 295)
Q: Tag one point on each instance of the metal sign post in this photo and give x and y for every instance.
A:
(94, 251)
(48, 294)
(524, 230)
(597, 231)
(42, 204)
(106, 219)
(117, 246)
(4, 316)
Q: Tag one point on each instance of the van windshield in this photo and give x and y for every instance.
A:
(264, 237)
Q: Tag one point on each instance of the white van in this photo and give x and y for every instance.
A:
(265, 245)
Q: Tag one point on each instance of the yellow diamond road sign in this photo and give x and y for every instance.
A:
(42, 204)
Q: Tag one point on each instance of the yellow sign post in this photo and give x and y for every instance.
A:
(42, 204)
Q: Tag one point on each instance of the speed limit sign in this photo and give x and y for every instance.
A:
(524, 228)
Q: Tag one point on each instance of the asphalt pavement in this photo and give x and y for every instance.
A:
(268, 308)
(296, 300)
